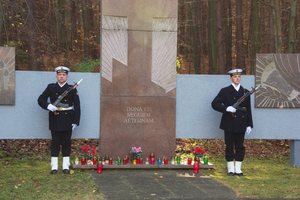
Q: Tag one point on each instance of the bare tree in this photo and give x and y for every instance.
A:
(292, 27)
(32, 47)
(220, 39)
(86, 29)
(228, 36)
(277, 20)
(255, 34)
(240, 50)
(212, 26)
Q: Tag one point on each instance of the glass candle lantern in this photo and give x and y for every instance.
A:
(205, 160)
(138, 160)
(152, 159)
(110, 162)
(182, 161)
(185, 160)
(106, 159)
(118, 161)
(189, 161)
(94, 161)
(141, 161)
(76, 161)
(173, 160)
(196, 167)
(178, 160)
(124, 161)
(165, 160)
(147, 161)
(99, 168)
(159, 161)
(83, 161)
(88, 160)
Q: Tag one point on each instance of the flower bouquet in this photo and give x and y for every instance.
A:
(134, 152)
(198, 152)
(89, 151)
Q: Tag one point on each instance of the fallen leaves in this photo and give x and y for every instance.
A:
(40, 148)
(37, 184)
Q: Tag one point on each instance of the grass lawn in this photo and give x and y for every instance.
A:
(264, 177)
(31, 179)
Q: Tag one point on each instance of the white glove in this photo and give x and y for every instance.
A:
(74, 126)
(52, 107)
(248, 130)
(231, 109)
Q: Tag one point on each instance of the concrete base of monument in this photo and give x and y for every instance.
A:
(143, 166)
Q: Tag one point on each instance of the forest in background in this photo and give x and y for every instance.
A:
(213, 35)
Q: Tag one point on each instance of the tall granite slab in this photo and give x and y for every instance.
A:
(138, 77)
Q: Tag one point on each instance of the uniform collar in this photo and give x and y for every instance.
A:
(62, 84)
(237, 88)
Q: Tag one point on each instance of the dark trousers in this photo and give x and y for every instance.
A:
(63, 139)
(235, 149)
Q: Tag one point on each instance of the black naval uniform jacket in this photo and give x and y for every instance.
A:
(64, 119)
(241, 120)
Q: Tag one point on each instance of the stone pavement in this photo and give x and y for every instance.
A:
(159, 184)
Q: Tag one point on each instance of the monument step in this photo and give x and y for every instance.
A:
(143, 166)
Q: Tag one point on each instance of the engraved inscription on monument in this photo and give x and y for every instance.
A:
(138, 115)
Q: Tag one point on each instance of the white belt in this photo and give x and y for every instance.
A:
(62, 108)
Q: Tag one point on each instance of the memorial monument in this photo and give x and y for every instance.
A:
(138, 77)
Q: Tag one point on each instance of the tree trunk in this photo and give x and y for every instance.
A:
(219, 17)
(212, 26)
(228, 37)
(193, 45)
(201, 56)
(278, 26)
(240, 51)
(74, 27)
(92, 32)
(86, 30)
(254, 35)
(271, 32)
(292, 27)
(62, 27)
(31, 36)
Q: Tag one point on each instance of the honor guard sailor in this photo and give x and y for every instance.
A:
(63, 117)
(235, 121)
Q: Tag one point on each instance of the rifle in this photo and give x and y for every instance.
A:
(240, 100)
(64, 94)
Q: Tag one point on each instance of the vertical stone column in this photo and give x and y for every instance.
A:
(294, 153)
(138, 76)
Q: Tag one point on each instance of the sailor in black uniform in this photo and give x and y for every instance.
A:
(235, 121)
(63, 118)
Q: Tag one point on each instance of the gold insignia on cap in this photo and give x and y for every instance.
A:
(62, 69)
(235, 72)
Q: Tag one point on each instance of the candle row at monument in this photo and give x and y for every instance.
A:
(175, 160)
